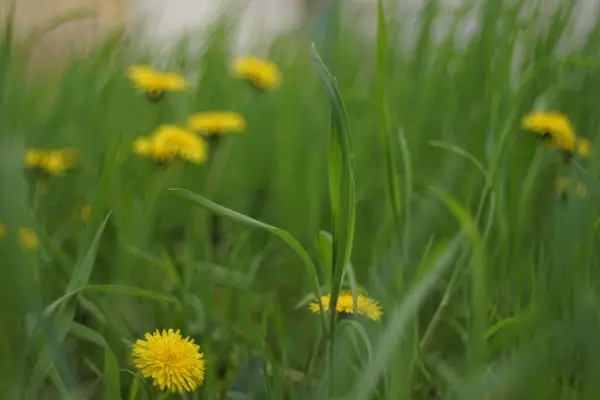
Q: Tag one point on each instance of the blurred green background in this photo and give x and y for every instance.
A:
(488, 279)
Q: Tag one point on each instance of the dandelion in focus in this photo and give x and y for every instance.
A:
(365, 306)
(52, 162)
(217, 122)
(155, 83)
(173, 362)
(28, 238)
(262, 74)
(170, 141)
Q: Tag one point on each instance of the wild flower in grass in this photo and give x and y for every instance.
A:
(170, 141)
(2, 231)
(557, 130)
(28, 238)
(262, 74)
(563, 186)
(86, 213)
(365, 306)
(172, 361)
(155, 83)
(52, 162)
(549, 125)
(217, 122)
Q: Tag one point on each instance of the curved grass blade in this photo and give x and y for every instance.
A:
(112, 289)
(341, 188)
(284, 235)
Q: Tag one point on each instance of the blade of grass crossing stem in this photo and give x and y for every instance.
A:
(478, 277)
(384, 129)
(287, 237)
(111, 289)
(400, 320)
(341, 188)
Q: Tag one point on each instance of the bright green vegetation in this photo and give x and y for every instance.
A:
(428, 196)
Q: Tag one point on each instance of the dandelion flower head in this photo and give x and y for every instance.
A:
(155, 83)
(170, 141)
(262, 74)
(217, 122)
(172, 361)
(549, 125)
(345, 304)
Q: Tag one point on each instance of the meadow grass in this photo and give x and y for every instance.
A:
(407, 178)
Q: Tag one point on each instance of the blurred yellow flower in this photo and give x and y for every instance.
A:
(173, 362)
(563, 185)
(170, 141)
(549, 125)
(155, 83)
(262, 74)
(2, 231)
(52, 162)
(217, 122)
(557, 129)
(345, 304)
(86, 213)
(28, 238)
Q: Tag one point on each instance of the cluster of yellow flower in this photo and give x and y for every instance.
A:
(170, 141)
(52, 162)
(27, 237)
(557, 130)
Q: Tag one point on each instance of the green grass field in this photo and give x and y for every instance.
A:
(421, 190)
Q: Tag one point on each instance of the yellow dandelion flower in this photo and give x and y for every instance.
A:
(172, 361)
(549, 124)
(28, 238)
(345, 304)
(2, 231)
(217, 122)
(262, 74)
(169, 141)
(183, 142)
(86, 213)
(155, 83)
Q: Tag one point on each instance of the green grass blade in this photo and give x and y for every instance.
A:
(341, 186)
(383, 119)
(112, 383)
(109, 289)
